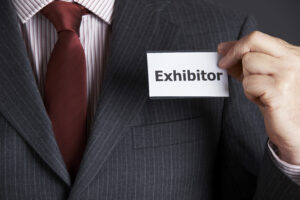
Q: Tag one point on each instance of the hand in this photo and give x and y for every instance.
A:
(269, 69)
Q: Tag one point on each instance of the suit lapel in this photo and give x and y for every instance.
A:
(20, 100)
(137, 27)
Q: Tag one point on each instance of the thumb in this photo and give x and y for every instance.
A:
(224, 47)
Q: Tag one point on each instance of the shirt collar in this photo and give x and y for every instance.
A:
(26, 9)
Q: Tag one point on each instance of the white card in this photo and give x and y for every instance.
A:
(186, 74)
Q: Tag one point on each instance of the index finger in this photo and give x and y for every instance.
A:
(254, 42)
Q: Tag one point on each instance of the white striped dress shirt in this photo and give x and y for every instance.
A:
(40, 37)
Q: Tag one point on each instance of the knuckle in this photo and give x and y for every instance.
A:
(278, 40)
(296, 54)
(286, 53)
(246, 83)
(283, 85)
(254, 36)
(283, 42)
(292, 59)
(239, 50)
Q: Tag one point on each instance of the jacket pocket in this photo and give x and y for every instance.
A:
(169, 133)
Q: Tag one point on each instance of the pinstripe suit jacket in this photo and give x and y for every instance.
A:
(138, 148)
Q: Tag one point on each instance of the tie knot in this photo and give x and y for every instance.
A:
(65, 16)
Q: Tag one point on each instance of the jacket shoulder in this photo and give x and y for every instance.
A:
(201, 16)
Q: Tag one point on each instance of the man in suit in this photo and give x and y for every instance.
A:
(141, 148)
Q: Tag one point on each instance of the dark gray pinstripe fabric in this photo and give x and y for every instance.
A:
(139, 149)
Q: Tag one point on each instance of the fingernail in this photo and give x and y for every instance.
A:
(221, 52)
(221, 63)
(222, 46)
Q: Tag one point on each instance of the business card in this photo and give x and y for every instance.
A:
(186, 74)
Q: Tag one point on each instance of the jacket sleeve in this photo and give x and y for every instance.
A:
(248, 171)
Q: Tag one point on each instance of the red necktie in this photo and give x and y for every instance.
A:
(65, 87)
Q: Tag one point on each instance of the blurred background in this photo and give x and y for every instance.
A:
(279, 18)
